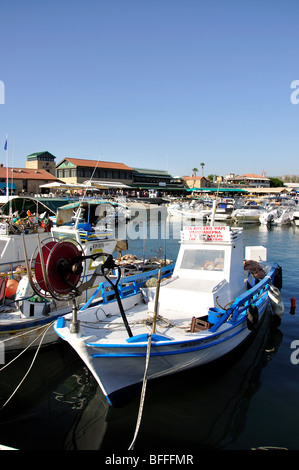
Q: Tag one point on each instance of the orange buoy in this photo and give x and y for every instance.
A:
(11, 287)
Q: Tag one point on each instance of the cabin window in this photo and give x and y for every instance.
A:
(209, 260)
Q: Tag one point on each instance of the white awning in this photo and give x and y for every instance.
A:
(107, 184)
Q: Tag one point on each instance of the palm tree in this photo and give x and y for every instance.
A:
(202, 165)
(194, 170)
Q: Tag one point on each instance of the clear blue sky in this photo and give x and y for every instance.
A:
(163, 84)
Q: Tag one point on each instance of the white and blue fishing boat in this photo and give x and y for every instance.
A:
(213, 302)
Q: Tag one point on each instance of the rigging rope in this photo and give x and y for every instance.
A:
(42, 335)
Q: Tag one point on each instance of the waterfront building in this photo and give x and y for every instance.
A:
(77, 170)
(24, 181)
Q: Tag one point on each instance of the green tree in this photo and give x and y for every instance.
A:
(276, 183)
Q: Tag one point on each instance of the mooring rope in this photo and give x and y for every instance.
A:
(24, 334)
(42, 335)
(148, 351)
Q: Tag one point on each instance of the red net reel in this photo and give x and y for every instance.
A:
(63, 267)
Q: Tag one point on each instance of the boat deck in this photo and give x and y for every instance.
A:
(111, 329)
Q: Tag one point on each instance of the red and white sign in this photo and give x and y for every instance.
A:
(206, 233)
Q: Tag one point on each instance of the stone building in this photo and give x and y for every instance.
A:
(42, 161)
(24, 181)
(196, 182)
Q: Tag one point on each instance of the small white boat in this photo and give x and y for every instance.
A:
(174, 209)
(197, 211)
(278, 211)
(248, 214)
(204, 311)
(200, 214)
(223, 212)
(277, 216)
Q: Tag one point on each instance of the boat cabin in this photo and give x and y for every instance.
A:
(208, 273)
(83, 220)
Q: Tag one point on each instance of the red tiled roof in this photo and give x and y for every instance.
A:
(26, 173)
(98, 164)
(194, 177)
(252, 175)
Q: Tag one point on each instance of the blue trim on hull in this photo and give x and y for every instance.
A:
(28, 325)
(178, 351)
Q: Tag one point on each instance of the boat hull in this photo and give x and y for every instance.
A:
(118, 368)
(20, 335)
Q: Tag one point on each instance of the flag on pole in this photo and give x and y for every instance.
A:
(5, 145)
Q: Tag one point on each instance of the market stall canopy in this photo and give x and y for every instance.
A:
(10, 186)
(67, 186)
(220, 190)
(107, 185)
(270, 190)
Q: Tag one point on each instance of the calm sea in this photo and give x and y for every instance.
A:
(248, 401)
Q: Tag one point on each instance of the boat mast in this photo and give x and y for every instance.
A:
(213, 212)
(6, 153)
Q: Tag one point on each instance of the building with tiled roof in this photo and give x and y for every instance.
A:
(77, 170)
(24, 180)
(156, 180)
(249, 179)
(196, 182)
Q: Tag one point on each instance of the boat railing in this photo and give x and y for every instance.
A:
(128, 285)
(242, 303)
(12, 264)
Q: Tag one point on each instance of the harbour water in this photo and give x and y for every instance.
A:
(248, 401)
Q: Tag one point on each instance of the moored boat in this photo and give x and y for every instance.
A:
(248, 214)
(277, 216)
(204, 311)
